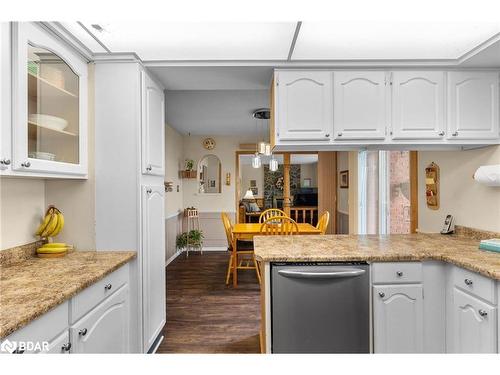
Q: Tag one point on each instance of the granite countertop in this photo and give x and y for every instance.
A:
(33, 286)
(461, 251)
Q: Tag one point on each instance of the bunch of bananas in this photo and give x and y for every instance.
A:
(52, 223)
(51, 250)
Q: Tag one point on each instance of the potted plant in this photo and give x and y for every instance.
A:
(195, 237)
(181, 241)
(189, 164)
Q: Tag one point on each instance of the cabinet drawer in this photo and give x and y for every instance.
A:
(45, 328)
(474, 283)
(397, 272)
(87, 299)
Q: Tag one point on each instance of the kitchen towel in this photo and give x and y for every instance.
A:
(488, 175)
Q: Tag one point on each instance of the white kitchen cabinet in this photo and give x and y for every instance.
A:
(359, 108)
(475, 324)
(418, 105)
(105, 329)
(153, 127)
(49, 105)
(60, 345)
(154, 313)
(304, 105)
(473, 105)
(398, 318)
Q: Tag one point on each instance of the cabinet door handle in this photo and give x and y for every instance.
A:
(441, 133)
(66, 347)
(483, 313)
(327, 135)
(468, 282)
(149, 190)
(399, 273)
(381, 294)
(26, 164)
(149, 168)
(18, 351)
(5, 161)
(82, 332)
(108, 286)
(339, 134)
(454, 134)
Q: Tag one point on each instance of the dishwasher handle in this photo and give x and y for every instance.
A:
(321, 274)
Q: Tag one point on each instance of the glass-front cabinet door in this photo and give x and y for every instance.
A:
(49, 104)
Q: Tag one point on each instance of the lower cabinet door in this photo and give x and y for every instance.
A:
(105, 329)
(475, 329)
(60, 345)
(398, 319)
(153, 263)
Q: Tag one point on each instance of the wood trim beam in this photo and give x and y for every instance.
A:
(327, 187)
(413, 191)
(286, 183)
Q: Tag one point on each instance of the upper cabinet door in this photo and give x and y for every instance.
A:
(153, 127)
(473, 105)
(49, 113)
(359, 105)
(304, 105)
(417, 105)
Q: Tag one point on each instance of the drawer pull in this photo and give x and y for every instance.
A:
(18, 351)
(381, 294)
(399, 273)
(483, 313)
(82, 332)
(108, 286)
(66, 347)
(468, 282)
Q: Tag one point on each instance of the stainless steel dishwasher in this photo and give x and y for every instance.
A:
(320, 307)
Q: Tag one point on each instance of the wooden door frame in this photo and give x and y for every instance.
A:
(413, 191)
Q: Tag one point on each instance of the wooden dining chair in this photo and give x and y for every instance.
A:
(323, 222)
(271, 212)
(279, 225)
(244, 250)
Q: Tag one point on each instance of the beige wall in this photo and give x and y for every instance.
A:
(309, 171)
(249, 173)
(174, 162)
(353, 192)
(472, 204)
(225, 150)
(342, 194)
(22, 205)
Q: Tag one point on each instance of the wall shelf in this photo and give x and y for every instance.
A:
(187, 174)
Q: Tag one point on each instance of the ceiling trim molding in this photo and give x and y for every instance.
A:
(68, 38)
(479, 48)
(93, 36)
(294, 40)
(123, 57)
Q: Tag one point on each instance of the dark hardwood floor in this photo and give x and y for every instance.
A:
(206, 316)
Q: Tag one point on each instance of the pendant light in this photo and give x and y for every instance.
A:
(256, 161)
(262, 147)
(267, 150)
(273, 164)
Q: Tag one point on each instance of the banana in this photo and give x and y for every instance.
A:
(51, 225)
(54, 250)
(45, 222)
(60, 224)
(53, 244)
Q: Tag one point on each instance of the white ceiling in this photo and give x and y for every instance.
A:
(217, 112)
(214, 78)
(272, 41)
(389, 40)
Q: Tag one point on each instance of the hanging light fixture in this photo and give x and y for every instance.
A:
(273, 164)
(267, 150)
(262, 146)
(256, 161)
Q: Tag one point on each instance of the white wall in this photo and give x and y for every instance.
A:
(309, 170)
(472, 204)
(22, 205)
(342, 194)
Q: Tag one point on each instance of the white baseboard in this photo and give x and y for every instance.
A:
(215, 248)
(171, 259)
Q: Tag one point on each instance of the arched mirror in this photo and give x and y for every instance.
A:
(209, 174)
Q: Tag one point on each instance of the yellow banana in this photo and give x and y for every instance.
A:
(44, 223)
(53, 244)
(60, 224)
(51, 225)
(54, 250)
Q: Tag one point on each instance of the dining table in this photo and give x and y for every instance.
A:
(246, 231)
